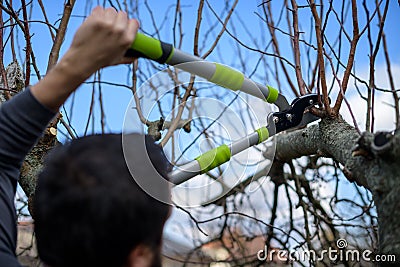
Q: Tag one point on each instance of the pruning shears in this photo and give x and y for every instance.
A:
(289, 116)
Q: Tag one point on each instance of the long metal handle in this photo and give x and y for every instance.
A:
(151, 48)
(219, 155)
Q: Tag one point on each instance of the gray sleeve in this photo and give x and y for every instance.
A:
(22, 121)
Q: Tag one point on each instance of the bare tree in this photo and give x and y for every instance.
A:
(334, 179)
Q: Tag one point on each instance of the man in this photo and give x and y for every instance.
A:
(88, 209)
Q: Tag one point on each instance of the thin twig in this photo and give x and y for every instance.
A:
(321, 62)
(350, 61)
(224, 24)
(28, 45)
(55, 50)
(296, 49)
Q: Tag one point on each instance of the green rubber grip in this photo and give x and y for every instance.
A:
(151, 48)
(227, 77)
(263, 134)
(214, 158)
(273, 94)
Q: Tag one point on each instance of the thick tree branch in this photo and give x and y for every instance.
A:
(331, 138)
(369, 160)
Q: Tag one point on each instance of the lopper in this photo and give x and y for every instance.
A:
(289, 116)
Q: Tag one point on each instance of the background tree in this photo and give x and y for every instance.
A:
(335, 179)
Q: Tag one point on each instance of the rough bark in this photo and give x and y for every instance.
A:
(34, 162)
(369, 160)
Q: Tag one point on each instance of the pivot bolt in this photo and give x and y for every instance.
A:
(289, 117)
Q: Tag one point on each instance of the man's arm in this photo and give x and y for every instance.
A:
(22, 121)
(100, 41)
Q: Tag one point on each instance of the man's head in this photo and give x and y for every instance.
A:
(90, 212)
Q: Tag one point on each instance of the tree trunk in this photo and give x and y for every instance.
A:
(33, 161)
(369, 160)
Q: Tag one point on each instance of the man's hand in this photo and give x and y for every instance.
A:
(100, 41)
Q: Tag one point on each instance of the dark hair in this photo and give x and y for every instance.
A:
(88, 209)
